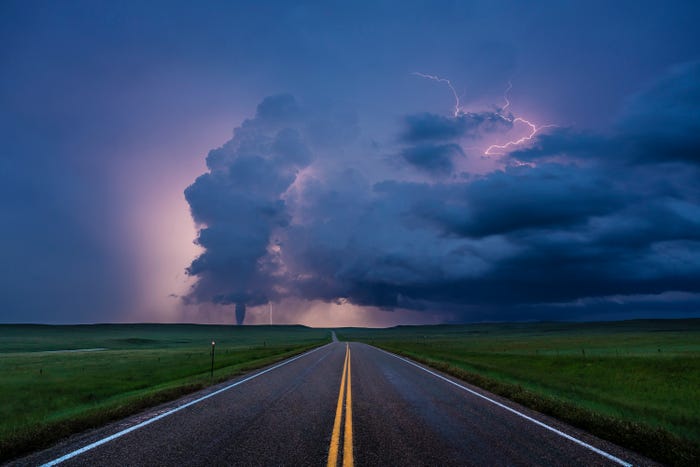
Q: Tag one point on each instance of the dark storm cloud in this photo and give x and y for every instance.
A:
(431, 127)
(431, 139)
(238, 203)
(569, 143)
(546, 197)
(585, 218)
(660, 125)
(663, 123)
(563, 253)
(436, 159)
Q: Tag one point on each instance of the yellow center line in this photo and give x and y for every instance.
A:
(347, 447)
(335, 437)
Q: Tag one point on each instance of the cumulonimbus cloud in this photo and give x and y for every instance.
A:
(286, 210)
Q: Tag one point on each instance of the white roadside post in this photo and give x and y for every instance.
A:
(213, 346)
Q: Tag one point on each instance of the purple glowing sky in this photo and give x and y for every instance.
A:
(332, 169)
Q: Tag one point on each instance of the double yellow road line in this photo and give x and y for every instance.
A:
(346, 394)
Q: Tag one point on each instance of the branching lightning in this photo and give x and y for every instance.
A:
(534, 129)
(508, 117)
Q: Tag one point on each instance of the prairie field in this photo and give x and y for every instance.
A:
(57, 380)
(632, 382)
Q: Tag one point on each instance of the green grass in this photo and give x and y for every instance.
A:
(49, 393)
(635, 382)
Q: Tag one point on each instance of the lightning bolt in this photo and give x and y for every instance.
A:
(505, 96)
(512, 119)
(458, 107)
(494, 149)
(534, 129)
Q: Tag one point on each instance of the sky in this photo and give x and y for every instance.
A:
(349, 163)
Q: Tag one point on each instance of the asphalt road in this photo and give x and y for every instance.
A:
(350, 403)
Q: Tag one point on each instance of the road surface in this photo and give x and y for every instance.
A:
(340, 404)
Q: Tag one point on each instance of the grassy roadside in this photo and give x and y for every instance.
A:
(48, 395)
(633, 383)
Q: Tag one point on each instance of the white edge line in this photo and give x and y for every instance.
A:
(520, 414)
(102, 441)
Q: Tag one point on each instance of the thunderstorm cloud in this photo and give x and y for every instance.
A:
(372, 167)
(573, 221)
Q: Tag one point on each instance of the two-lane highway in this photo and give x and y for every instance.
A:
(341, 404)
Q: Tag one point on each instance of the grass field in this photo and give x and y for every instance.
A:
(636, 383)
(57, 380)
